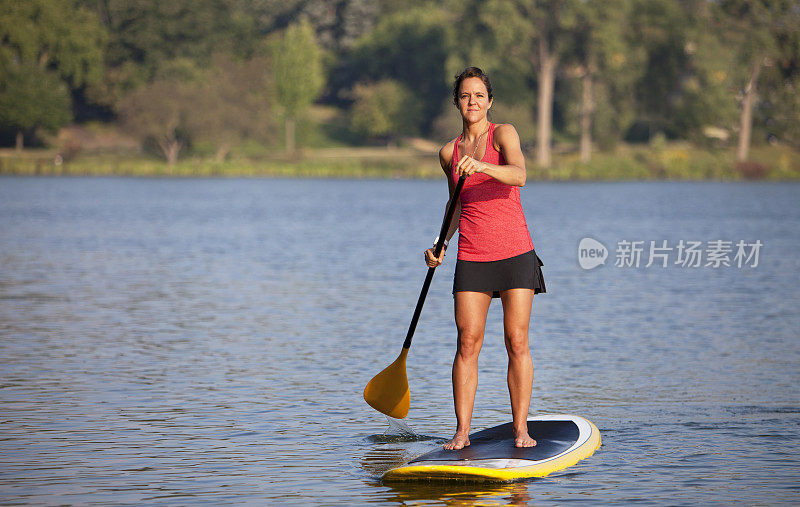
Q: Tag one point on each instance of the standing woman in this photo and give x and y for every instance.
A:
(495, 252)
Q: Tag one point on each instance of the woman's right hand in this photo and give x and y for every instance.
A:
(432, 261)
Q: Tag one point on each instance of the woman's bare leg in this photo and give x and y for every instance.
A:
(471, 309)
(517, 307)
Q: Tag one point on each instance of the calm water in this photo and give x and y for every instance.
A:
(207, 341)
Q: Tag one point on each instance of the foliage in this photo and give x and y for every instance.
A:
(600, 50)
(709, 97)
(617, 69)
(32, 98)
(55, 35)
(766, 34)
(146, 34)
(230, 104)
(46, 46)
(297, 68)
(298, 74)
(661, 28)
(157, 112)
(337, 23)
(386, 109)
(149, 32)
(410, 47)
(219, 105)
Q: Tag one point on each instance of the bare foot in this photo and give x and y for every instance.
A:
(459, 441)
(522, 439)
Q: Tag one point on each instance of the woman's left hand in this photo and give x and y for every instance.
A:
(468, 166)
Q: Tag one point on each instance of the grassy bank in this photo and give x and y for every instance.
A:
(147, 167)
(671, 162)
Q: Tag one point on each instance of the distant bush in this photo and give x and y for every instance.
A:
(385, 110)
(751, 170)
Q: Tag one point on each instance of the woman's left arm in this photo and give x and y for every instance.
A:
(513, 173)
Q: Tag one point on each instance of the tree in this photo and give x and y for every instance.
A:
(144, 34)
(779, 111)
(704, 103)
(500, 45)
(219, 105)
(32, 98)
(411, 47)
(158, 112)
(684, 74)
(386, 109)
(538, 31)
(45, 46)
(229, 103)
(56, 35)
(298, 74)
(337, 23)
(149, 32)
(607, 65)
(764, 32)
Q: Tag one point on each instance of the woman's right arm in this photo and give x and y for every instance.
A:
(444, 160)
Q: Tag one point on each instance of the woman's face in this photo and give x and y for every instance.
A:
(473, 99)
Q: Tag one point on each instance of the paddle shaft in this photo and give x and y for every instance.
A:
(448, 217)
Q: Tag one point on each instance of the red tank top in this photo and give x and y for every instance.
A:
(492, 224)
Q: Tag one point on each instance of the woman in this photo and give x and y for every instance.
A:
(495, 252)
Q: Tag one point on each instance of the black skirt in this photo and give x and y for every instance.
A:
(523, 271)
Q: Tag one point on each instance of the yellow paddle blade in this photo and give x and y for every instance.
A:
(388, 391)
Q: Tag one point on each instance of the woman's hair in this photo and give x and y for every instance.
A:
(471, 72)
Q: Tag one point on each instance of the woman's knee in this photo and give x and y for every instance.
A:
(517, 343)
(469, 343)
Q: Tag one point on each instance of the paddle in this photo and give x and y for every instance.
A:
(388, 391)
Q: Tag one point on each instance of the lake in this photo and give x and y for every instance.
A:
(207, 341)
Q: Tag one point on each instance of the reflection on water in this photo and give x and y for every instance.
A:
(208, 341)
(514, 494)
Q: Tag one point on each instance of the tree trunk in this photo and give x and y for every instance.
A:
(290, 135)
(19, 140)
(222, 152)
(170, 147)
(544, 125)
(587, 110)
(746, 125)
(173, 148)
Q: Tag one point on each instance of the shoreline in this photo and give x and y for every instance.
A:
(673, 163)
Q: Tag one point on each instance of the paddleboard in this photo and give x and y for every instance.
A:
(561, 441)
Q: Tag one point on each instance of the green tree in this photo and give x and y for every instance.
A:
(229, 103)
(673, 94)
(337, 23)
(219, 105)
(32, 98)
(538, 31)
(146, 34)
(411, 47)
(298, 74)
(607, 64)
(780, 109)
(764, 32)
(385, 110)
(57, 35)
(149, 32)
(500, 39)
(550, 35)
(46, 48)
(704, 103)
